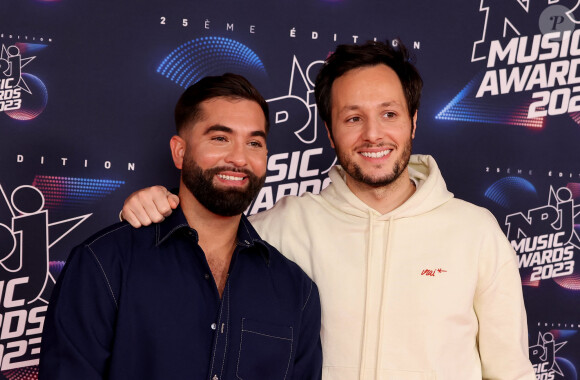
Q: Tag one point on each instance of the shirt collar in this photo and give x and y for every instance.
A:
(246, 237)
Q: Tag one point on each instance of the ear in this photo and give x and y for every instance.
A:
(414, 126)
(177, 145)
(329, 136)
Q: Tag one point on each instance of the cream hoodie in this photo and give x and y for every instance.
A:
(430, 290)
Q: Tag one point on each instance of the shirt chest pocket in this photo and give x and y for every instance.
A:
(265, 351)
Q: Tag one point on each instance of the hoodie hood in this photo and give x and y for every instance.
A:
(423, 170)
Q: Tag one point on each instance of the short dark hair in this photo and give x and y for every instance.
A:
(229, 85)
(348, 57)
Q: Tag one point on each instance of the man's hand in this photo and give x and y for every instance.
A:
(148, 205)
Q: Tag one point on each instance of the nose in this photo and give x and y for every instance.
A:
(237, 155)
(372, 131)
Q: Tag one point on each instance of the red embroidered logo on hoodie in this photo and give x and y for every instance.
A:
(432, 272)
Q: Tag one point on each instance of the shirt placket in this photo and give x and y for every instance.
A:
(220, 328)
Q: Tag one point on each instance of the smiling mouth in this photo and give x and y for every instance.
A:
(380, 154)
(230, 178)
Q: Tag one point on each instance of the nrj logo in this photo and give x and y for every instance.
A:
(543, 357)
(11, 81)
(545, 239)
(26, 237)
(301, 153)
(23, 96)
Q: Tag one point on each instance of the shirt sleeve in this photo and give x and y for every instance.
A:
(308, 359)
(79, 324)
(499, 305)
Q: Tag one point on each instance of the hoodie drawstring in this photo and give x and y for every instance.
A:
(367, 286)
(383, 292)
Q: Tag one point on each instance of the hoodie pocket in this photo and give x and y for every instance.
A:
(265, 351)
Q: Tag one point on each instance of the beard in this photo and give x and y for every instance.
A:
(224, 202)
(356, 172)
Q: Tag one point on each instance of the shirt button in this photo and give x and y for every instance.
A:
(206, 276)
(213, 326)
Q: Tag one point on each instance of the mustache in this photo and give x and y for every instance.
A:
(379, 145)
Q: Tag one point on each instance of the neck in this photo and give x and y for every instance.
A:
(386, 198)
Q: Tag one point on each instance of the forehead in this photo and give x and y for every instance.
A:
(241, 115)
(372, 84)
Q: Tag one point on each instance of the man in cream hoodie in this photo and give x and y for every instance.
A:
(414, 283)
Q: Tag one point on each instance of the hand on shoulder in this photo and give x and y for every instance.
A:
(149, 205)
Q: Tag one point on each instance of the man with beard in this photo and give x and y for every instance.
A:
(200, 295)
(414, 283)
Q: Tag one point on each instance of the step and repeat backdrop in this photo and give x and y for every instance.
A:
(87, 91)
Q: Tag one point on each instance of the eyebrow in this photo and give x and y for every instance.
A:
(384, 104)
(223, 128)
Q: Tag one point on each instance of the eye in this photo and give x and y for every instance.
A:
(354, 119)
(219, 138)
(389, 115)
(256, 144)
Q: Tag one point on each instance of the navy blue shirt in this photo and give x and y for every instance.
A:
(143, 304)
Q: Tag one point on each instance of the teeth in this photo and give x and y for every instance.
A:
(376, 154)
(230, 178)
